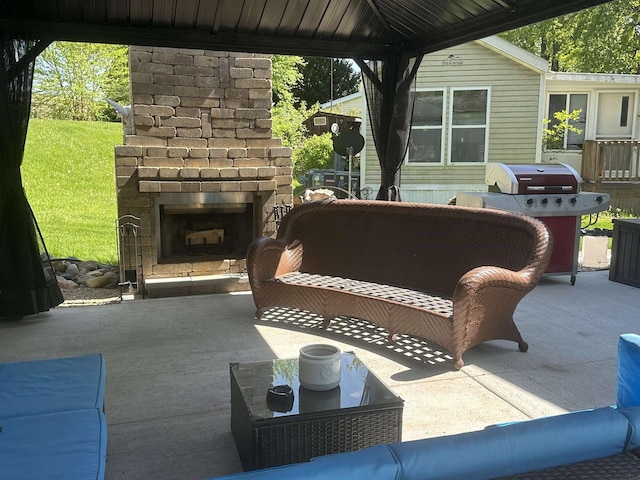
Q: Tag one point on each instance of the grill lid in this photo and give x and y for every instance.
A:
(533, 179)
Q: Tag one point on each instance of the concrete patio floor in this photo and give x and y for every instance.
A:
(167, 364)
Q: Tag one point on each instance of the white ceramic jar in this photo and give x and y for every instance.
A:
(319, 367)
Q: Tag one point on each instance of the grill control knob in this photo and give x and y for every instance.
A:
(544, 202)
(599, 199)
(558, 201)
(528, 202)
(573, 201)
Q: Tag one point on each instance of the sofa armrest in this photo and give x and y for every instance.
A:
(484, 301)
(481, 278)
(270, 258)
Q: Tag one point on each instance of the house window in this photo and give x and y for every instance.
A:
(425, 141)
(468, 129)
(624, 111)
(569, 103)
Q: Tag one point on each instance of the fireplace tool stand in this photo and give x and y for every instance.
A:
(130, 256)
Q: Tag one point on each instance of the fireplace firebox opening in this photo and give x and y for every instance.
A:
(206, 226)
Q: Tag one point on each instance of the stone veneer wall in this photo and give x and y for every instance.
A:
(201, 122)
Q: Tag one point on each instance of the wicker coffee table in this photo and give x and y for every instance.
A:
(359, 413)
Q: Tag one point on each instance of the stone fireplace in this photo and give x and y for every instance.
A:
(199, 167)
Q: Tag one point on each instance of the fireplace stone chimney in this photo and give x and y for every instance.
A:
(200, 135)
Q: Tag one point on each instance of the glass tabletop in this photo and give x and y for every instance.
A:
(358, 387)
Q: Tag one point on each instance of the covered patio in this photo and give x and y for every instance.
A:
(167, 360)
(387, 38)
(167, 363)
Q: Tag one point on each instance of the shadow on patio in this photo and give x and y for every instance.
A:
(167, 364)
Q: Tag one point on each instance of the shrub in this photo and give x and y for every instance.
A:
(316, 153)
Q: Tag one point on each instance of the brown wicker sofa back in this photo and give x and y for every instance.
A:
(452, 275)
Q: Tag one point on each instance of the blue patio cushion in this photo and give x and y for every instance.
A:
(516, 447)
(53, 385)
(56, 446)
(633, 415)
(628, 386)
(373, 463)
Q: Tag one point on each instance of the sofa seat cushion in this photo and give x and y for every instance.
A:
(53, 385)
(56, 446)
(442, 305)
(515, 448)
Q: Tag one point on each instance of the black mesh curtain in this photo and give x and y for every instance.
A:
(387, 85)
(27, 282)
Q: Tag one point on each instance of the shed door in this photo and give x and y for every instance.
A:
(615, 115)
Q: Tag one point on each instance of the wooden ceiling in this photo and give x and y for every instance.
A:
(336, 28)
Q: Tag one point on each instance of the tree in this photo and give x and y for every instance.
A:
(285, 76)
(315, 153)
(607, 39)
(72, 80)
(316, 84)
(603, 39)
(555, 130)
(287, 113)
(286, 118)
(287, 123)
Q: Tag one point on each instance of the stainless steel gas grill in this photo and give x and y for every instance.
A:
(550, 193)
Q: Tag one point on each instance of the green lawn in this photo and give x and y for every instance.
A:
(603, 221)
(69, 176)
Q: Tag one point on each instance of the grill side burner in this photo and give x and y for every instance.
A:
(550, 193)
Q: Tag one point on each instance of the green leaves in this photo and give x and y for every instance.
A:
(555, 130)
(315, 153)
(72, 80)
(603, 39)
(285, 73)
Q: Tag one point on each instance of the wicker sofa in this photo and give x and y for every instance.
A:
(601, 443)
(449, 274)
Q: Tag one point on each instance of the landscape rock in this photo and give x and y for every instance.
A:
(87, 266)
(59, 265)
(72, 272)
(108, 280)
(94, 273)
(65, 283)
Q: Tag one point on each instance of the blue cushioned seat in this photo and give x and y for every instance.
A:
(52, 385)
(515, 448)
(628, 385)
(373, 463)
(56, 446)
